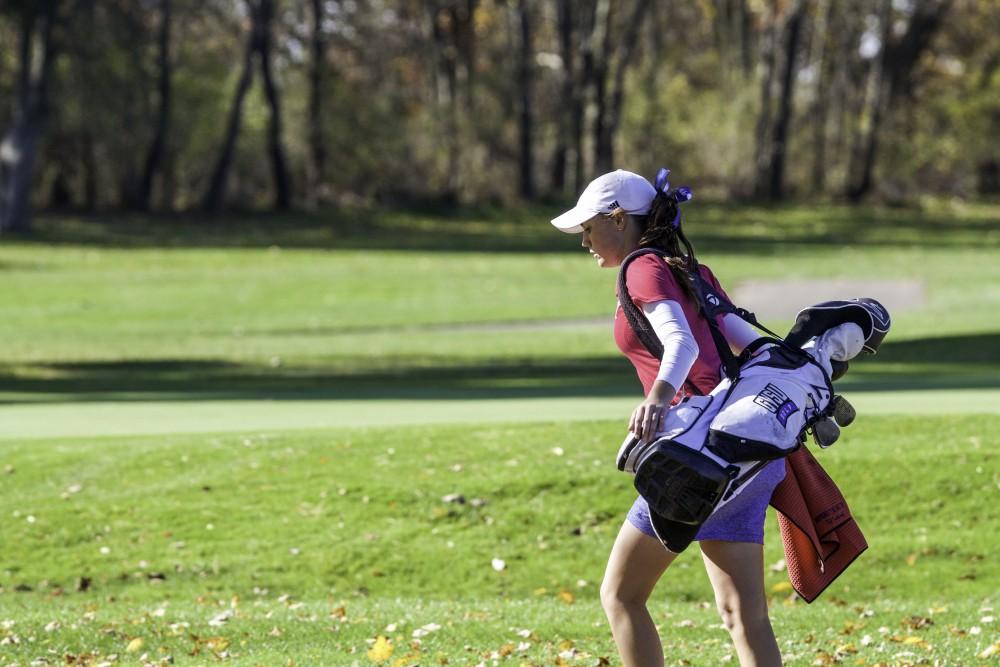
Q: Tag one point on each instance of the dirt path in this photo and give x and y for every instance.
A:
(773, 299)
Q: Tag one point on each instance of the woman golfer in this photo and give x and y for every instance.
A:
(618, 213)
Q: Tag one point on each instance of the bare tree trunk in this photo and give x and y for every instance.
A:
(847, 96)
(317, 138)
(215, 196)
(600, 47)
(793, 31)
(446, 93)
(896, 64)
(564, 9)
(824, 30)
(762, 133)
(899, 57)
(89, 159)
(525, 83)
(582, 94)
(155, 157)
(279, 165)
(627, 48)
(746, 42)
(464, 37)
(732, 24)
(19, 145)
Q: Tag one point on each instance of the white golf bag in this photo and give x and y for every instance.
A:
(775, 393)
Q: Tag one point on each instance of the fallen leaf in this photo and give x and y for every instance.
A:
(850, 627)
(916, 622)
(567, 597)
(217, 644)
(781, 587)
(134, 645)
(426, 630)
(990, 651)
(221, 618)
(408, 660)
(381, 650)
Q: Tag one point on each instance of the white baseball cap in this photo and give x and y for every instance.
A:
(617, 189)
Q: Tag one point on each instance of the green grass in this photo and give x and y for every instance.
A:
(286, 529)
(160, 309)
(260, 418)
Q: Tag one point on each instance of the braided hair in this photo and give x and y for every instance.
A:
(661, 229)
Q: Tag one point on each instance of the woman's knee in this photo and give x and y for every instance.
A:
(611, 596)
(741, 618)
(616, 596)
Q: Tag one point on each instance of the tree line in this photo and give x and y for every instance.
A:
(166, 105)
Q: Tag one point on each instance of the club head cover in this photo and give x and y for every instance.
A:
(843, 412)
(825, 432)
(867, 313)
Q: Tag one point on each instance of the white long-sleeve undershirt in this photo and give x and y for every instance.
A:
(680, 350)
(738, 332)
(679, 346)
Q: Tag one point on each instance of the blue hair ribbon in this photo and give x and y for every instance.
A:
(679, 195)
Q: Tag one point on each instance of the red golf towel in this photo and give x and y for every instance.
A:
(820, 536)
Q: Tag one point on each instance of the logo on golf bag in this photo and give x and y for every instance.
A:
(774, 400)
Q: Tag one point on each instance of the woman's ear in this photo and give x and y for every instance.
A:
(618, 215)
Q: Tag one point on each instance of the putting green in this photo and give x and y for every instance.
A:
(56, 420)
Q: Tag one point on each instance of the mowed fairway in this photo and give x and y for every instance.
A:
(335, 443)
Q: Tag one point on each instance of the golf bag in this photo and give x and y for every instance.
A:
(770, 397)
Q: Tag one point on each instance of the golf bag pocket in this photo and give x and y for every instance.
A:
(762, 418)
(687, 422)
(680, 483)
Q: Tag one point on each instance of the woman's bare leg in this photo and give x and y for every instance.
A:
(634, 566)
(736, 570)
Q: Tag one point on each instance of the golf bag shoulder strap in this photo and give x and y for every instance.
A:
(636, 318)
(711, 304)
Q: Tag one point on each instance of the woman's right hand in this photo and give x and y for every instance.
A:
(647, 418)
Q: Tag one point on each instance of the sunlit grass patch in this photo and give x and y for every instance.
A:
(255, 548)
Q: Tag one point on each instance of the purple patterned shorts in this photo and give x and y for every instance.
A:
(742, 520)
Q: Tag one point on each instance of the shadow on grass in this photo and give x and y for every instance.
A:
(743, 228)
(955, 362)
